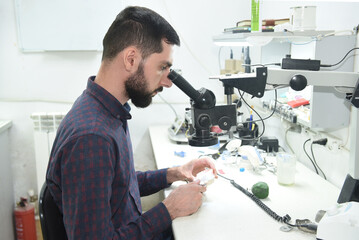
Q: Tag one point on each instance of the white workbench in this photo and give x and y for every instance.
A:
(226, 213)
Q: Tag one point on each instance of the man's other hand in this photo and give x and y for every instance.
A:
(185, 200)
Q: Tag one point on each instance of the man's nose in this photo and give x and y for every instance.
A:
(165, 81)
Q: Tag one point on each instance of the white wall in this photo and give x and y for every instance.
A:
(51, 81)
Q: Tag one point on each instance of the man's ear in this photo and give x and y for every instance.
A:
(132, 58)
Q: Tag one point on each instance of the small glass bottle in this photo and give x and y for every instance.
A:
(33, 200)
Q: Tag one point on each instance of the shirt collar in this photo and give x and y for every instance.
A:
(112, 105)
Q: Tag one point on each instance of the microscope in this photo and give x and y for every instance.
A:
(205, 113)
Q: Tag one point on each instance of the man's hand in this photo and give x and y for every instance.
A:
(189, 170)
(184, 200)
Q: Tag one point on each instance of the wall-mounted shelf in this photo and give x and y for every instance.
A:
(263, 38)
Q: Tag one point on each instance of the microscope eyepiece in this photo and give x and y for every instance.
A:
(203, 98)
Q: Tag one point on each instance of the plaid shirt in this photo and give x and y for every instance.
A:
(91, 173)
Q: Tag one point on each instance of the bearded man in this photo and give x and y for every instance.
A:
(91, 174)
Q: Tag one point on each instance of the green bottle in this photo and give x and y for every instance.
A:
(256, 21)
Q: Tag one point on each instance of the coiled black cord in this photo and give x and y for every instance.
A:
(285, 219)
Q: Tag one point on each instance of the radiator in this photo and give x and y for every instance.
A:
(45, 127)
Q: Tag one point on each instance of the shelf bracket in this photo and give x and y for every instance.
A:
(249, 83)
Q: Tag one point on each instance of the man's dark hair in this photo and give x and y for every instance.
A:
(140, 27)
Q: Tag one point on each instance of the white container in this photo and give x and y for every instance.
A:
(303, 18)
(286, 168)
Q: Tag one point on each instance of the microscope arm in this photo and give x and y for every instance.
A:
(315, 78)
(297, 79)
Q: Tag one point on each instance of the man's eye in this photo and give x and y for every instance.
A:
(163, 68)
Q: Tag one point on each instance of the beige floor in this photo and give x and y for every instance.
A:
(38, 230)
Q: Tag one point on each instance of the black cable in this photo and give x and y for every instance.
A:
(305, 151)
(254, 138)
(285, 219)
(262, 65)
(275, 106)
(261, 119)
(311, 148)
(332, 65)
(279, 146)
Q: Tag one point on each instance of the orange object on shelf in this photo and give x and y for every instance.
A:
(298, 102)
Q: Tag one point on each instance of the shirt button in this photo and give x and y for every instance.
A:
(118, 116)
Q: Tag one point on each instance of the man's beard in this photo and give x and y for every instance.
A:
(137, 89)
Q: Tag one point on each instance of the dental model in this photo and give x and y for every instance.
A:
(206, 177)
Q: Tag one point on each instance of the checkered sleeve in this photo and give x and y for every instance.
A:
(151, 182)
(87, 174)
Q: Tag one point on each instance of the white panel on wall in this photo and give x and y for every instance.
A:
(64, 25)
(45, 127)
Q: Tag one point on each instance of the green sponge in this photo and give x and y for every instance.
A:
(260, 190)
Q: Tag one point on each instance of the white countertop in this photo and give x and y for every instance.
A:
(4, 124)
(226, 213)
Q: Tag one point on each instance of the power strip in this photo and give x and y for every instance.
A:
(283, 110)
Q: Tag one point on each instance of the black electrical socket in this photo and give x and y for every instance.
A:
(269, 144)
(300, 64)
